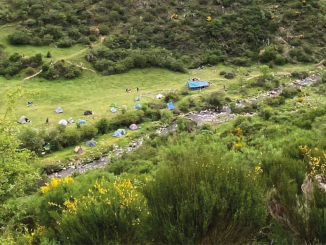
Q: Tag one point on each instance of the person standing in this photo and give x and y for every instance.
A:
(47, 121)
(137, 89)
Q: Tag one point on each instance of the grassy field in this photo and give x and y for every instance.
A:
(95, 92)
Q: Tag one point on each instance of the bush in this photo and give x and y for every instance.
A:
(229, 75)
(166, 116)
(31, 140)
(103, 125)
(70, 137)
(174, 97)
(290, 92)
(87, 132)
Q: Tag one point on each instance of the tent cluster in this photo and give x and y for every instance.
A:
(120, 132)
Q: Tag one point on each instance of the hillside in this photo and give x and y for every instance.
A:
(137, 155)
(197, 32)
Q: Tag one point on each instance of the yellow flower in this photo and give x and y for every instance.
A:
(45, 189)
(68, 180)
(54, 182)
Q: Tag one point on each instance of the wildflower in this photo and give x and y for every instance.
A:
(68, 180)
(54, 182)
(45, 189)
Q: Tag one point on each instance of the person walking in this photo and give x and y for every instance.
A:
(47, 121)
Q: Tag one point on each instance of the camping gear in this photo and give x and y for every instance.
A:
(170, 106)
(117, 134)
(23, 120)
(47, 147)
(133, 127)
(59, 110)
(137, 106)
(136, 99)
(81, 121)
(86, 113)
(70, 120)
(79, 150)
(122, 131)
(113, 105)
(30, 103)
(197, 85)
(91, 143)
(113, 109)
(159, 96)
(63, 122)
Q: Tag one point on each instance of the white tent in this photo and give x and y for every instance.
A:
(159, 96)
(63, 122)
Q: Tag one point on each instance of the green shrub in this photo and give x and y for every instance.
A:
(174, 97)
(103, 125)
(70, 137)
(31, 139)
(88, 132)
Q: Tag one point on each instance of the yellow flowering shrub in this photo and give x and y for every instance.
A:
(55, 183)
(316, 160)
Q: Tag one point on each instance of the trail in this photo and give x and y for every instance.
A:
(26, 78)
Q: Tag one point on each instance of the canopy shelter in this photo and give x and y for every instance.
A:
(197, 84)
(113, 109)
(133, 127)
(170, 106)
(59, 110)
(79, 150)
(159, 96)
(91, 143)
(81, 121)
(114, 105)
(23, 120)
(63, 122)
(86, 113)
(137, 106)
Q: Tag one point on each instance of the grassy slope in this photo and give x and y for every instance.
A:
(96, 92)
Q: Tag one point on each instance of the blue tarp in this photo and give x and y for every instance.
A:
(197, 85)
(170, 106)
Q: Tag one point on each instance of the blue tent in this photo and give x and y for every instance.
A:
(137, 106)
(117, 134)
(170, 106)
(197, 85)
(113, 109)
(81, 121)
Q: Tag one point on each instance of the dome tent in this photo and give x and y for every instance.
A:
(137, 106)
(59, 110)
(159, 96)
(133, 127)
(63, 122)
(113, 110)
(23, 120)
(91, 143)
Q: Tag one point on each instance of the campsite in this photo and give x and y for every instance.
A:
(162, 122)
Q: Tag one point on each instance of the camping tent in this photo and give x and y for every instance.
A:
(81, 121)
(133, 127)
(137, 99)
(122, 131)
(197, 85)
(29, 103)
(170, 106)
(23, 120)
(117, 134)
(79, 150)
(47, 147)
(114, 105)
(70, 120)
(91, 143)
(137, 106)
(86, 113)
(159, 96)
(113, 109)
(58, 110)
(63, 122)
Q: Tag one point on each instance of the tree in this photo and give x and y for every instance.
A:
(264, 70)
(166, 116)
(48, 55)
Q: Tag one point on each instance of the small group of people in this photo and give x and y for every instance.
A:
(195, 79)
(128, 90)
